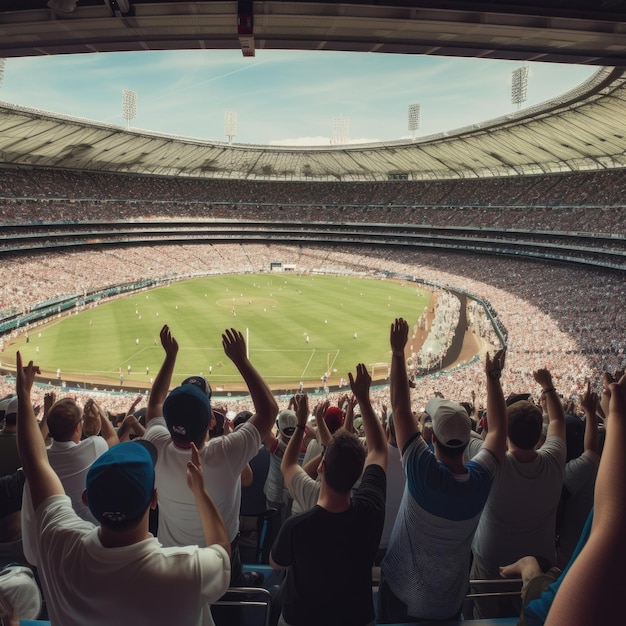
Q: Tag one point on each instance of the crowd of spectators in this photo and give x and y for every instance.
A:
(550, 322)
(596, 188)
(566, 322)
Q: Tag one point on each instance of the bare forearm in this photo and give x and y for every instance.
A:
(401, 400)
(290, 458)
(496, 418)
(374, 434)
(160, 387)
(591, 432)
(108, 432)
(262, 398)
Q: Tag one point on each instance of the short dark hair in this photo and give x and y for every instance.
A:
(525, 422)
(343, 461)
(450, 452)
(62, 419)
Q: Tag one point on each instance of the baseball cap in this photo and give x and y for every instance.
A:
(120, 482)
(287, 422)
(187, 412)
(199, 381)
(451, 423)
(333, 418)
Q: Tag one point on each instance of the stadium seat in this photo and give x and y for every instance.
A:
(244, 606)
(267, 527)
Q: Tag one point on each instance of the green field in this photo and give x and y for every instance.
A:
(279, 311)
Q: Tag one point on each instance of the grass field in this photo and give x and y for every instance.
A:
(279, 312)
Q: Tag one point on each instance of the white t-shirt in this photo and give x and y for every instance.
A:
(142, 584)
(71, 462)
(223, 459)
(305, 492)
(519, 517)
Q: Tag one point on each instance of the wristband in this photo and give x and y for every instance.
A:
(301, 426)
(549, 390)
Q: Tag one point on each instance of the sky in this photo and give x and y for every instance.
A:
(280, 97)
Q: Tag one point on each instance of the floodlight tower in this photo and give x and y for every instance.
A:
(230, 125)
(129, 105)
(341, 130)
(519, 86)
(414, 118)
(2, 64)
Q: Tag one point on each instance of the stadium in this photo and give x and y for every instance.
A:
(509, 232)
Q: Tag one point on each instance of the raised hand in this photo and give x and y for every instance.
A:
(234, 345)
(301, 404)
(544, 378)
(494, 367)
(25, 375)
(399, 336)
(589, 401)
(170, 345)
(361, 384)
(195, 478)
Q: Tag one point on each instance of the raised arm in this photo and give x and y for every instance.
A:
(289, 465)
(213, 526)
(130, 423)
(589, 402)
(496, 406)
(374, 433)
(42, 479)
(348, 422)
(108, 432)
(556, 414)
(163, 379)
(597, 599)
(265, 406)
(48, 400)
(322, 427)
(403, 420)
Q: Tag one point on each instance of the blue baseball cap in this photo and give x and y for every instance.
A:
(187, 412)
(120, 482)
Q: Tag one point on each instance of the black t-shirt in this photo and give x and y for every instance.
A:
(330, 557)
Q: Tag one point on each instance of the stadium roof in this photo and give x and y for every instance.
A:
(584, 129)
(572, 31)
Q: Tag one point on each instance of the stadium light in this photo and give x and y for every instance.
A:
(2, 64)
(129, 105)
(62, 6)
(230, 125)
(519, 86)
(414, 118)
(341, 130)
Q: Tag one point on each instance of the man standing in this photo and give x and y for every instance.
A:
(79, 561)
(181, 419)
(520, 515)
(70, 456)
(336, 541)
(424, 574)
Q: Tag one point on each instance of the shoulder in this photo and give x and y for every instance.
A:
(485, 460)
(56, 513)
(157, 430)
(554, 448)
(94, 442)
